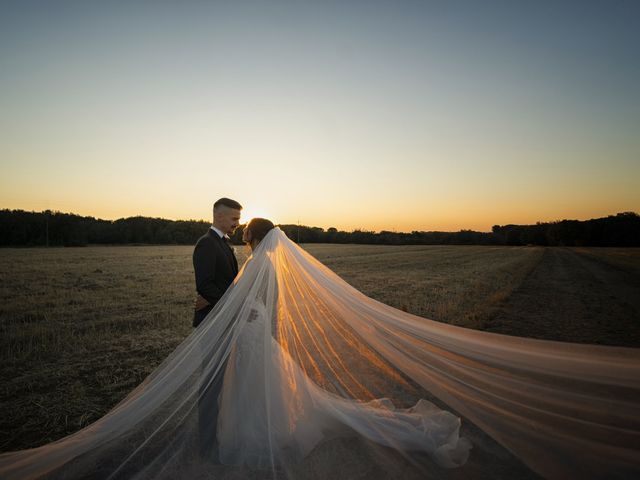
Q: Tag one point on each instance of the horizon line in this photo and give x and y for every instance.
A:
(314, 226)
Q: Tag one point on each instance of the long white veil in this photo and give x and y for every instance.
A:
(320, 380)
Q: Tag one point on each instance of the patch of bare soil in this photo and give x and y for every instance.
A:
(572, 297)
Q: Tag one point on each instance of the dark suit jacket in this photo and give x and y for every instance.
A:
(215, 266)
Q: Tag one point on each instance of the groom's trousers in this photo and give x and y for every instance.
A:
(208, 408)
(209, 393)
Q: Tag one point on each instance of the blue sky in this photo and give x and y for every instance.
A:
(407, 115)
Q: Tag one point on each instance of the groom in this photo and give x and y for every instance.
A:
(214, 262)
(215, 267)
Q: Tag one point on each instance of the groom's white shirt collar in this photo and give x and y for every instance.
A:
(220, 234)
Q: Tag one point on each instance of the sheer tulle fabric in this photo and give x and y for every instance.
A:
(320, 380)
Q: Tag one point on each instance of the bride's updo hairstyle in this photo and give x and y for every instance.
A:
(259, 227)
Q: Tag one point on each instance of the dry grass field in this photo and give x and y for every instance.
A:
(80, 327)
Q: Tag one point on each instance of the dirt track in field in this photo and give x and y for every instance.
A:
(574, 296)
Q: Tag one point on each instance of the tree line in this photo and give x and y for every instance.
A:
(19, 228)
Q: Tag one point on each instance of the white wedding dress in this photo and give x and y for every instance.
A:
(307, 361)
(297, 414)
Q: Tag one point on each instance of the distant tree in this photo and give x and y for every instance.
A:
(21, 228)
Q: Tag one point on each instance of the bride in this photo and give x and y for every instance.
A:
(293, 414)
(320, 380)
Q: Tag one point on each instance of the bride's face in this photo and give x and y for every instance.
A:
(246, 236)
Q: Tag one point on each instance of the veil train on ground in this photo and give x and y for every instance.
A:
(320, 380)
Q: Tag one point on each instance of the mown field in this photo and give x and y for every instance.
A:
(80, 327)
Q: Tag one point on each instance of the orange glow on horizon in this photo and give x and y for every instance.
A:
(444, 220)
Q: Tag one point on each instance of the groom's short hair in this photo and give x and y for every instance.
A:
(227, 202)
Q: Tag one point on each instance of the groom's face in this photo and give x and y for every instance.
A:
(227, 219)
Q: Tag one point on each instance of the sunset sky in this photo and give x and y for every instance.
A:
(396, 115)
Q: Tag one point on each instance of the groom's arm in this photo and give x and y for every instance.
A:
(204, 265)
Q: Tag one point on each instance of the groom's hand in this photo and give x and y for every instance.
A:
(200, 302)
